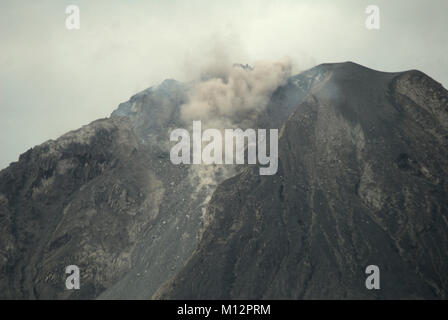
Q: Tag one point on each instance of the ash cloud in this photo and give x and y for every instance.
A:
(229, 96)
(225, 96)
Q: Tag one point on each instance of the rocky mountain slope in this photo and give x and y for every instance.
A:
(108, 199)
(361, 180)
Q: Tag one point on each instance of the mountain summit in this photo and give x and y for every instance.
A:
(362, 180)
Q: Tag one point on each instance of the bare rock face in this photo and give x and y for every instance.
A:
(105, 198)
(362, 181)
(75, 200)
(108, 199)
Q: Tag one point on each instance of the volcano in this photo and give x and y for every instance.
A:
(362, 180)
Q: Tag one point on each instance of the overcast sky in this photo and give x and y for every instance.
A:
(53, 80)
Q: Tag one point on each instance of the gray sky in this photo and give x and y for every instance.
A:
(53, 80)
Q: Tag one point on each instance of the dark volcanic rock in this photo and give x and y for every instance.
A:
(79, 200)
(107, 199)
(362, 180)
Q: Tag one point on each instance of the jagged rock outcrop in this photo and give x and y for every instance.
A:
(362, 180)
(78, 201)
